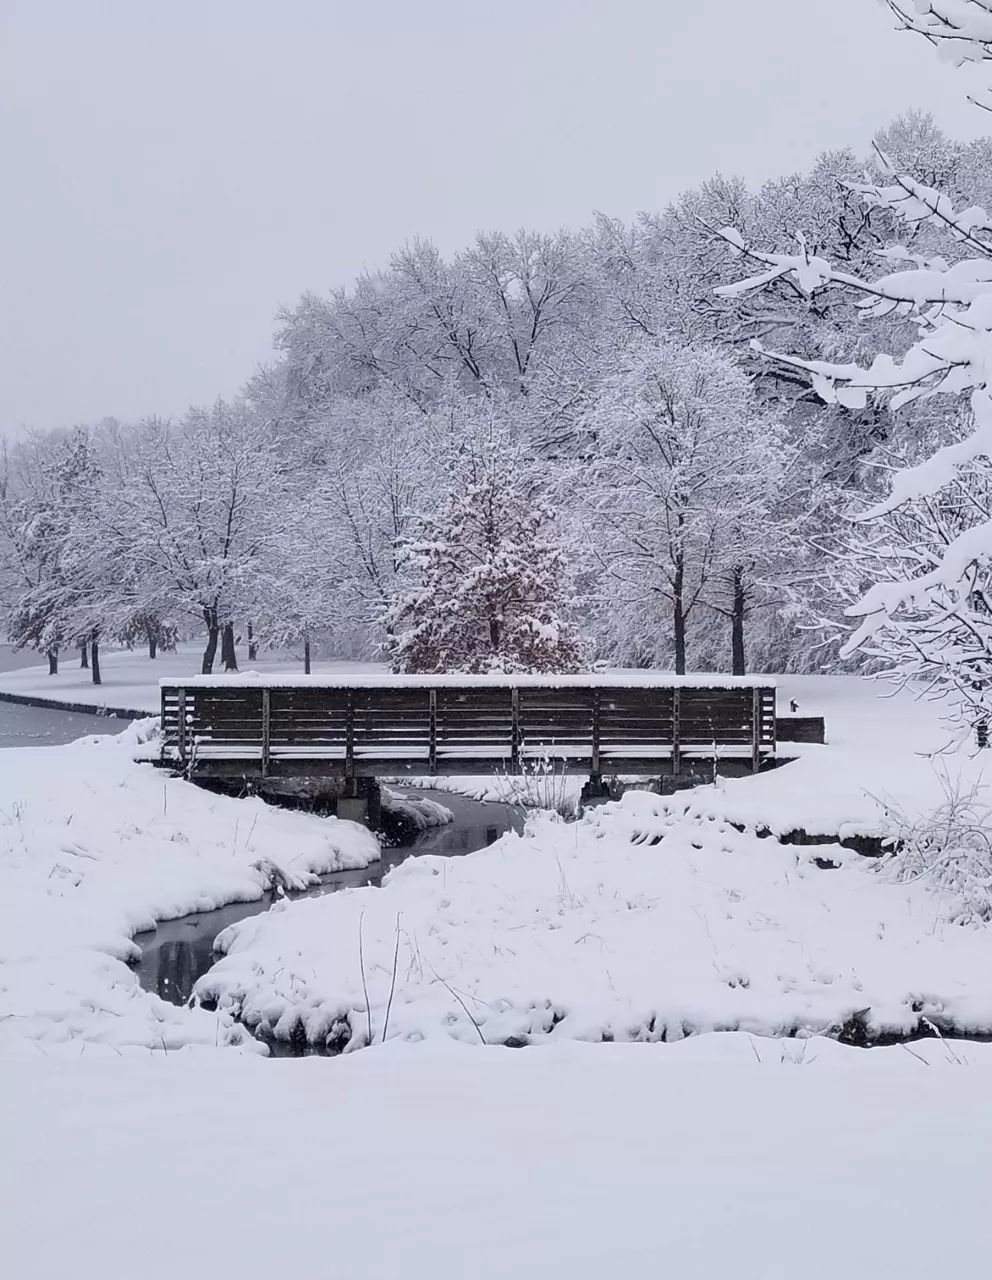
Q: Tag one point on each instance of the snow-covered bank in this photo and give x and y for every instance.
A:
(636, 923)
(723, 1156)
(95, 847)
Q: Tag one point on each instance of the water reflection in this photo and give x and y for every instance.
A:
(178, 953)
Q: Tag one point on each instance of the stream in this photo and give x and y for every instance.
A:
(179, 952)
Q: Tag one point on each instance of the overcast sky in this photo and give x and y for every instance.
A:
(174, 173)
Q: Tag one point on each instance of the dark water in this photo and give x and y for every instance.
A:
(41, 727)
(179, 952)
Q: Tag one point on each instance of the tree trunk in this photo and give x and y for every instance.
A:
(252, 645)
(95, 661)
(210, 652)
(737, 622)
(84, 655)
(228, 654)
(152, 644)
(678, 612)
(53, 661)
(306, 657)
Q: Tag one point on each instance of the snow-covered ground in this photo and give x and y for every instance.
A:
(718, 1157)
(722, 1154)
(94, 847)
(130, 678)
(635, 923)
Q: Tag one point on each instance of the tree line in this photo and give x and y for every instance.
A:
(542, 452)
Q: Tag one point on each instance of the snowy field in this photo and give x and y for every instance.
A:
(717, 1157)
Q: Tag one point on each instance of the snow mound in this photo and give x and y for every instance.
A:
(419, 812)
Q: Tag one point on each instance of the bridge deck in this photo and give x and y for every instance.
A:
(434, 725)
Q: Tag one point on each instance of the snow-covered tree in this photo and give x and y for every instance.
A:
(48, 496)
(948, 297)
(960, 30)
(681, 484)
(198, 501)
(487, 581)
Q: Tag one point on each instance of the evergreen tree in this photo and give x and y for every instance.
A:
(486, 579)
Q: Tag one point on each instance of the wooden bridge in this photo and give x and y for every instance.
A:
(388, 726)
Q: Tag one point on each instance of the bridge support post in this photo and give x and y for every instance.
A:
(594, 791)
(361, 801)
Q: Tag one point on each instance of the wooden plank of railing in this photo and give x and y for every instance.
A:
(182, 725)
(595, 731)
(514, 729)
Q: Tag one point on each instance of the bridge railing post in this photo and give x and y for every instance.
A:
(349, 741)
(266, 730)
(596, 770)
(676, 734)
(432, 729)
(755, 729)
(181, 724)
(515, 729)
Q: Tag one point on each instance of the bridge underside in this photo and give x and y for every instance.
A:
(250, 768)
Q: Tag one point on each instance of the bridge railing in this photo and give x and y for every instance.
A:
(435, 725)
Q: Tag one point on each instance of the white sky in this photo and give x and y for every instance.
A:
(173, 173)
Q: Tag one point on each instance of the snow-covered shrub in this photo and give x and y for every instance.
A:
(951, 848)
(541, 784)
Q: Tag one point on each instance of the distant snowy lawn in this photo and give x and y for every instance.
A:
(130, 677)
(637, 923)
(95, 847)
(718, 1157)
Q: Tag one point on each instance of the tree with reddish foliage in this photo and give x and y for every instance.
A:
(486, 580)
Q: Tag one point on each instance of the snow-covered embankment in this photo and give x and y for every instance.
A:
(96, 846)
